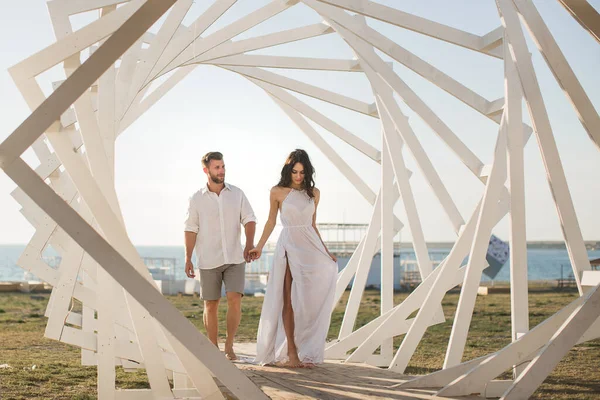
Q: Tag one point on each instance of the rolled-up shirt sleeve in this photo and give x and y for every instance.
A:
(192, 219)
(246, 214)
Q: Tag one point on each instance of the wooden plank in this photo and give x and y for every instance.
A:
(58, 102)
(414, 23)
(560, 67)
(555, 173)
(585, 14)
(557, 347)
(271, 388)
(297, 382)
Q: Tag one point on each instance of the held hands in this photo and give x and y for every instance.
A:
(247, 250)
(189, 269)
(255, 253)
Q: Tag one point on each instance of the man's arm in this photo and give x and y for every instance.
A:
(250, 230)
(191, 227)
(248, 219)
(190, 242)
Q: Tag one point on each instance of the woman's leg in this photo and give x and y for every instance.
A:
(288, 319)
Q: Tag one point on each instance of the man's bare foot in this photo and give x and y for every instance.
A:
(230, 354)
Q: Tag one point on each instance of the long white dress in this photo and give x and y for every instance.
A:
(314, 276)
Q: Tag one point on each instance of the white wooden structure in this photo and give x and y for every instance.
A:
(70, 197)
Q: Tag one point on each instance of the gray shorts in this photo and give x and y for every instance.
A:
(211, 280)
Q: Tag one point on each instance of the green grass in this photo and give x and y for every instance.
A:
(59, 374)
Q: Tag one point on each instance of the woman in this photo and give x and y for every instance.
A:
(297, 306)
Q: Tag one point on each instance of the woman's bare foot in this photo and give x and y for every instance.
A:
(293, 364)
(293, 361)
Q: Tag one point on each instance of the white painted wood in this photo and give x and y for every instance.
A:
(158, 45)
(180, 43)
(124, 273)
(559, 66)
(362, 271)
(63, 291)
(543, 130)
(263, 61)
(88, 322)
(109, 99)
(413, 62)
(200, 46)
(400, 87)
(590, 278)
(584, 13)
(346, 274)
(140, 108)
(97, 159)
(231, 48)
(476, 263)
(412, 142)
(320, 119)
(304, 88)
(113, 228)
(74, 43)
(151, 382)
(394, 144)
(124, 79)
(368, 336)
(106, 336)
(387, 239)
(106, 116)
(563, 340)
(436, 292)
(331, 154)
(71, 7)
(82, 78)
(519, 296)
(592, 333)
(493, 39)
(474, 378)
(413, 23)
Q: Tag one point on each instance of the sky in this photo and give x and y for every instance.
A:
(158, 157)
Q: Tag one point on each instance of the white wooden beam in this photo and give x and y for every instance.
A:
(559, 66)
(543, 130)
(414, 23)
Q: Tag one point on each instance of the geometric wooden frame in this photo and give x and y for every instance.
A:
(71, 201)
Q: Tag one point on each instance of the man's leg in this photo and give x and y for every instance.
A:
(234, 315)
(211, 320)
(211, 281)
(234, 277)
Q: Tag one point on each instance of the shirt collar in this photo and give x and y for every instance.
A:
(204, 189)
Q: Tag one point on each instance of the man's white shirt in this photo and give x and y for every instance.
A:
(217, 219)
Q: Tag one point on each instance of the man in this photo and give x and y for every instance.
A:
(213, 229)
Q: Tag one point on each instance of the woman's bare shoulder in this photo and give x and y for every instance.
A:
(279, 192)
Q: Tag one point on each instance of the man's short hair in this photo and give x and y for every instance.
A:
(211, 155)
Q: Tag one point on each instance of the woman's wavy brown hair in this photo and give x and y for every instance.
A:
(298, 156)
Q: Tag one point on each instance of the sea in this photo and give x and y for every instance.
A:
(543, 264)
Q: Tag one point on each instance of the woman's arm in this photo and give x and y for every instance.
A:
(269, 225)
(314, 224)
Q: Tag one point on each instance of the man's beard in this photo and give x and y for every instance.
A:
(216, 179)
